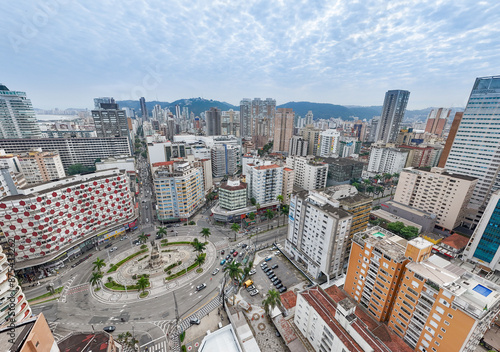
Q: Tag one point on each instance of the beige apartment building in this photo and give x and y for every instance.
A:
(38, 166)
(288, 180)
(436, 191)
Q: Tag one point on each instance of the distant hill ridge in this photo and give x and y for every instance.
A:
(320, 110)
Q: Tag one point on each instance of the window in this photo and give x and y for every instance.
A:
(450, 316)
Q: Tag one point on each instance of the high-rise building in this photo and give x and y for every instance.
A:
(17, 117)
(230, 123)
(311, 135)
(51, 219)
(318, 231)
(309, 119)
(41, 166)
(348, 146)
(450, 139)
(110, 121)
(437, 120)
(246, 118)
(257, 118)
(144, 109)
(265, 183)
(72, 150)
(341, 170)
(283, 129)
(179, 189)
(309, 174)
(328, 143)
(103, 100)
(233, 194)
(213, 118)
(393, 112)
(288, 181)
(484, 245)
(387, 159)
(474, 149)
(297, 146)
(36, 335)
(438, 192)
(372, 136)
(14, 306)
(225, 159)
(424, 156)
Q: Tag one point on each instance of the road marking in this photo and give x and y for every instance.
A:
(147, 343)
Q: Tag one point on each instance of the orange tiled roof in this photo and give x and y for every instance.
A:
(265, 167)
(288, 299)
(456, 241)
(163, 163)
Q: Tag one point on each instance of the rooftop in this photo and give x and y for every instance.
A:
(233, 187)
(384, 240)
(288, 299)
(315, 198)
(223, 339)
(94, 342)
(439, 171)
(341, 161)
(456, 241)
(415, 211)
(380, 213)
(265, 167)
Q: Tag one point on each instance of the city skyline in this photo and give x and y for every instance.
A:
(331, 53)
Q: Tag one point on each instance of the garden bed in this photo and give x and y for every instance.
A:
(123, 261)
(184, 271)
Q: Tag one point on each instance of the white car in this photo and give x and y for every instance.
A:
(215, 271)
(253, 271)
(254, 292)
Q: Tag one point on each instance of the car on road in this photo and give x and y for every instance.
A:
(148, 235)
(111, 250)
(230, 260)
(222, 252)
(277, 252)
(283, 289)
(201, 287)
(254, 292)
(235, 254)
(232, 251)
(275, 266)
(268, 259)
(115, 248)
(244, 245)
(223, 261)
(108, 245)
(110, 328)
(194, 321)
(216, 270)
(253, 271)
(228, 256)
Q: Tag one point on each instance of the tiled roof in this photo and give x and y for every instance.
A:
(456, 241)
(288, 299)
(163, 163)
(265, 167)
(287, 169)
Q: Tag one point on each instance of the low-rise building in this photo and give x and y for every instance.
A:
(451, 246)
(233, 194)
(393, 211)
(31, 335)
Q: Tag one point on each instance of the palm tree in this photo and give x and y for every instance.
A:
(95, 279)
(234, 271)
(272, 300)
(280, 199)
(247, 269)
(269, 216)
(142, 283)
(379, 189)
(387, 177)
(200, 259)
(161, 231)
(251, 216)
(285, 209)
(98, 264)
(142, 237)
(198, 246)
(366, 182)
(370, 189)
(377, 177)
(235, 227)
(205, 232)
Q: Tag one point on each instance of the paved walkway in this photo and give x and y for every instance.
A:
(158, 285)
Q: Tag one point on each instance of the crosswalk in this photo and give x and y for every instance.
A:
(79, 288)
(53, 327)
(153, 346)
(67, 286)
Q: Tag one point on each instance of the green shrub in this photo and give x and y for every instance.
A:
(144, 246)
(182, 336)
(121, 262)
(183, 348)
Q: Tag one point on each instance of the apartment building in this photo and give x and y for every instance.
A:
(330, 321)
(225, 159)
(40, 166)
(288, 181)
(298, 146)
(386, 159)
(53, 218)
(483, 247)
(17, 117)
(233, 194)
(72, 150)
(438, 192)
(342, 170)
(230, 123)
(283, 129)
(376, 264)
(318, 233)
(424, 156)
(179, 190)
(309, 174)
(14, 306)
(265, 183)
(311, 135)
(328, 143)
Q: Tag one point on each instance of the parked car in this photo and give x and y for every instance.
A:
(148, 234)
(268, 259)
(222, 252)
(251, 288)
(276, 282)
(235, 254)
(272, 277)
(216, 270)
(111, 250)
(252, 272)
(108, 245)
(230, 260)
(269, 273)
(228, 256)
(223, 261)
(194, 321)
(254, 292)
(278, 286)
(244, 245)
(242, 254)
(283, 289)
(263, 265)
(115, 248)
(109, 329)
(275, 266)
(232, 251)
(201, 287)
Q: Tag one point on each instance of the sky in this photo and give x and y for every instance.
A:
(64, 53)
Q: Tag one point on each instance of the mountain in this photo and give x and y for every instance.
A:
(195, 105)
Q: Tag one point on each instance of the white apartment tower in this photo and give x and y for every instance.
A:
(265, 183)
(475, 149)
(328, 143)
(318, 233)
(387, 160)
(309, 174)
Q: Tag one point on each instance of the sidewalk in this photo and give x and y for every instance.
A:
(158, 285)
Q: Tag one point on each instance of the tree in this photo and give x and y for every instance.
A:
(142, 237)
(357, 185)
(409, 232)
(379, 189)
(269, 216)
(272, 300)
(142, 283)
(253, 201)
(95, 279)
(377, 177)
(161, 231)
(200, 259)
(234, 271)
(251, 216)
(198, 246)
(247, 269)
(280, 199)
(235, 227)
(387, 177)
(370, 189)
(78, 169)
(395, 227)
(285, 209)
(98, 264)
(205, 232)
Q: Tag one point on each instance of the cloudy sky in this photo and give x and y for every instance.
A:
(64, 53)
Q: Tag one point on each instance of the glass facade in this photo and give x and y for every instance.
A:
(490, 240)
